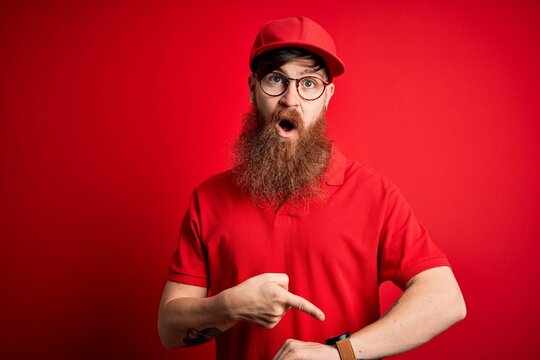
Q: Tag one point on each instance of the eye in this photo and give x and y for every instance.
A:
(274, 79)
(309, 83)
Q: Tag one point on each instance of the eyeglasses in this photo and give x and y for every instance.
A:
(309, 87)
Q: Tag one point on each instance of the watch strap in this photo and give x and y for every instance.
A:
(345, 349)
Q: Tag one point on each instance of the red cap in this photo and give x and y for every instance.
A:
(299, 32)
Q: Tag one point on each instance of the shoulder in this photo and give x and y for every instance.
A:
(358, 174)
(220, 182)
(224, 178)
(219, 188)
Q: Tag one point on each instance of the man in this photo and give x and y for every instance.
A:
(286, 251)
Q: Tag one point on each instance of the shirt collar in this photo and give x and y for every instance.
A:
(335, 173)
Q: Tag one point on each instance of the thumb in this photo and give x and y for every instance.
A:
(280, 279)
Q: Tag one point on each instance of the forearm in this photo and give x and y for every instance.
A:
(431, 304)
(187, 317)
(192, 321)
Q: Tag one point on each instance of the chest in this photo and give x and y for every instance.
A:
(335, 237)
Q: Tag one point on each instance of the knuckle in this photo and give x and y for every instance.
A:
(270, 324)
(266, 276)
(295, 351)
(300, 305)
(277, 311)
(271, 291)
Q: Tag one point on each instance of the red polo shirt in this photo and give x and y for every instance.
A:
(336, 252)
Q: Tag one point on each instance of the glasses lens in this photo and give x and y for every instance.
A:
(274, 84)
(310, 87)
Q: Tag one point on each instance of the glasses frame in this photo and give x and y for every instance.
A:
(289, 79)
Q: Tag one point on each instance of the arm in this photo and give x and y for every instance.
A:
(187, 317)
(431, 303)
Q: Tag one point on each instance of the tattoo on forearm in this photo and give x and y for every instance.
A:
(196, 337)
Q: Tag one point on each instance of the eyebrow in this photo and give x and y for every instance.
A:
(305, 71)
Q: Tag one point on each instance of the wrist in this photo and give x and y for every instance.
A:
(225, 304)
(343, 345)
(335, 352)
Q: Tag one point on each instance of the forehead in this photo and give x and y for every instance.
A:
(301, 67)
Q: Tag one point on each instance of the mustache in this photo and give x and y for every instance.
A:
(287, 117)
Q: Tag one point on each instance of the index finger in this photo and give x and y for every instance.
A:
(303, 305)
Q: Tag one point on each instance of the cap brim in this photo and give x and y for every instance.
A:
(334, 64)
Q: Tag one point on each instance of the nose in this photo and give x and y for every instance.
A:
(290, 97)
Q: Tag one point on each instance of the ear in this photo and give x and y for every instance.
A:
(252, 81)
(328, 94)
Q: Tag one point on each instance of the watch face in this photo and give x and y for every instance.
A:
(334, 340)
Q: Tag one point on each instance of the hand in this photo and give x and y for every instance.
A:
(294, 349)
(264, 299)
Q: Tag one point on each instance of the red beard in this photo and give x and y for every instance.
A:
(273, 169)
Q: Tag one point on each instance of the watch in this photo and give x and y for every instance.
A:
(343, 345)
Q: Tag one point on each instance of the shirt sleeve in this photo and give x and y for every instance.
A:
(189, 263)
(405, 248)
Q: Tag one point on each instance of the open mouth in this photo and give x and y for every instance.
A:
(286, 125)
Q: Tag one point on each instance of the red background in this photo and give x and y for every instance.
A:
(111, 112)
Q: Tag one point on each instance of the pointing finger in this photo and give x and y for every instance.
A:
(303, 305)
